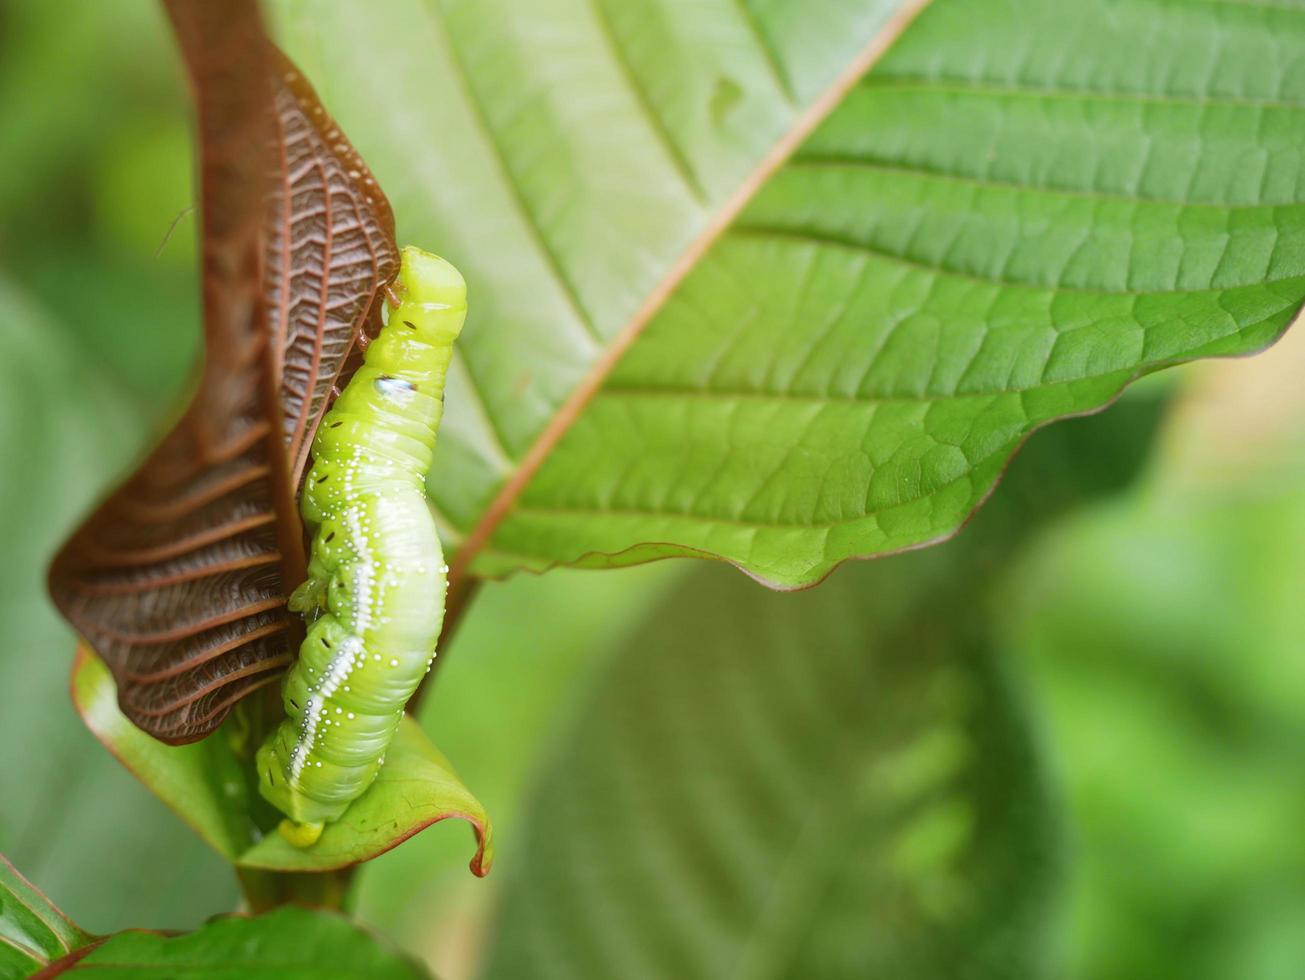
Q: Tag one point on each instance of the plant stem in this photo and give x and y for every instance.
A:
(264, 890)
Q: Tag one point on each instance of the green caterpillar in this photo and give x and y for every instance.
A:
(374, 597)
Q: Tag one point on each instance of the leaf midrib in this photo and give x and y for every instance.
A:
(570, 410)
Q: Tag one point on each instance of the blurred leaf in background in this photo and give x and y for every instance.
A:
(742, 779)
(70, 816)
(96, 132)
(512, 676)
(1164, 636)
(96, 339)
(831, 784)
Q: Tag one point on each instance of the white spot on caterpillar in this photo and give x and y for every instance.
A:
(397, 390)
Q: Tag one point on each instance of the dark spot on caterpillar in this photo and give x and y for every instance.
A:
(335, 425)
(326, 643)
(329, 537)
(294, 704)
(410, 325)
(322, 478)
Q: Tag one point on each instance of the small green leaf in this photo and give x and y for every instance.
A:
(210, 786)
(288, 944)
(202, 782)
(32, 931)
(416, 788)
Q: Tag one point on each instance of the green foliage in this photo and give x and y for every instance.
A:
(416, 788)
(1059, 195)
(288, 944)
(92, 98)
(1161, 638)
(838, 783)
(32, 931)
(209, 785)
(1017, 212)
(203, 782)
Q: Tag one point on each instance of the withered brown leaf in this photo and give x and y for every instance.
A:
(179, 579)
(330, 250)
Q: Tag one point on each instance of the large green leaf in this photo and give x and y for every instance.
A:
(210, 785)
(564, 155)
(288, 944)
(32, 931)
(1021, 208)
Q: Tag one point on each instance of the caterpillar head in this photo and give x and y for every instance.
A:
(434, 296)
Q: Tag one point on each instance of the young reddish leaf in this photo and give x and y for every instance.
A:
(179, 580)
(330, 249)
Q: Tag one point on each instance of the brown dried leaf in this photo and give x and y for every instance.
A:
(179, 580)
(330, 250)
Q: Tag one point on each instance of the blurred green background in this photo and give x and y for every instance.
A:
(1147, 641)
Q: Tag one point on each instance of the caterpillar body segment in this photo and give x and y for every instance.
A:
(376, 584)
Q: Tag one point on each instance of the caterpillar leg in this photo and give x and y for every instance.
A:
(309, 599)
(300, 834)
